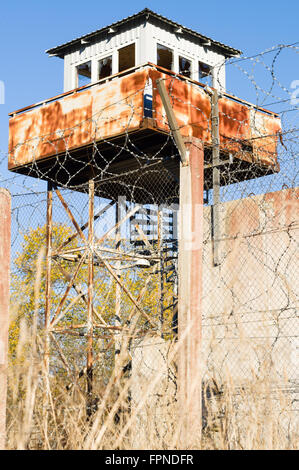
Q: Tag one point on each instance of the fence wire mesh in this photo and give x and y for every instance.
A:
(113, 283)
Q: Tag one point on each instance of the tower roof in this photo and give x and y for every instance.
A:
(62, 49)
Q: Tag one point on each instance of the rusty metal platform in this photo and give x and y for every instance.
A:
(71, 137)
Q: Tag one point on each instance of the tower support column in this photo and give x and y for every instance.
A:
(190, 296)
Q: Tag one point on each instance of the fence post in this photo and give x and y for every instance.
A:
(5, 223)
(189, 300)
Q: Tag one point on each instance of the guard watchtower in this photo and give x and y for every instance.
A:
(145, 116)
(110, 83)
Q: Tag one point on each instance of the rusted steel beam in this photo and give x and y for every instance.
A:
(132, 70)
(221, 163)
(69, 331)
(48, 273)
(83, 227)
(173, 124)
(82, 88)
(121, 254)
(5, 233)
(79, 292)
(189, 296)
(71, 217)
(239, 122)
(127, 292)
(71, 279)
(69, 307)
(67, 366)
(143, 238)
(160, 268)
(85, 325)
(89, 359)
(118, 224)
(140, 297)
(216, 177)
(118, 321)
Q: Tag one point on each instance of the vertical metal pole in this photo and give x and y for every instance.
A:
(117, 296)
(119, 346)
(160, 267)
(189, 299)
(216, 175)
(48, 273)
(5, 227)
(90, 300)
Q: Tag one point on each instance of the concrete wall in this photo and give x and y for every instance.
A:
(250, 314)
(250, 301)
(5, 217)
(153, 390)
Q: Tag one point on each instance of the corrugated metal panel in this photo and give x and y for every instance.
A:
(146, 13)
(104, 46)
(185, 46)
(156, 33)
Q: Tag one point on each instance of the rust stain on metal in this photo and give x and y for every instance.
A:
(234, 124)
(77, 120)
(264, 134)
(115, 107)
(191, 106)
(249, 134)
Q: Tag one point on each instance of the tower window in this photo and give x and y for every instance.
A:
(83, 74)
(185, 67)
(204, 72)
(164, 57)
(126, 57)
(105, 67)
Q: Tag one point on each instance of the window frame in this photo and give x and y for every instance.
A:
(200, 79)
(160, 43)
(117, 49)
(98, 59)
(76, 77)
(191, 60)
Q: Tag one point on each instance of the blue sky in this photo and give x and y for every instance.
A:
(28, 28)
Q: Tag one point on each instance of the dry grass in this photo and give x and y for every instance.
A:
(43, 414)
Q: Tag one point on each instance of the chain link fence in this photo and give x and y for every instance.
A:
(111, 277)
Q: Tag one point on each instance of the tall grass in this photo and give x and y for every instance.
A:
(44, 412)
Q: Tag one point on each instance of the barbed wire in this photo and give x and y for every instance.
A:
(127, 149)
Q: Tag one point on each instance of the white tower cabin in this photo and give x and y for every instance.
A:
(139, 39)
